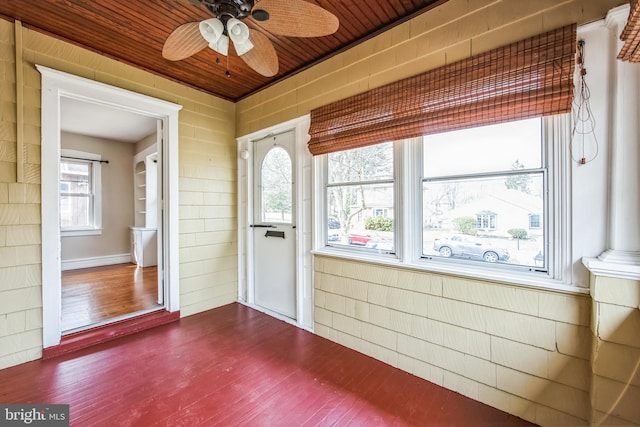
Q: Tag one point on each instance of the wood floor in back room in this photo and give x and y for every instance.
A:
(97, 294)
(236, 366)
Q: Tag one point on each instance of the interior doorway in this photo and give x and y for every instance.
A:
(111, 245)
(58, 88)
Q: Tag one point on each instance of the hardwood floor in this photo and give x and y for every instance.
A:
(93, 295)
(235, 366)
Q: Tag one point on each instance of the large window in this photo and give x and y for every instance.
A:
(486, 199)
(80, 198)
(360, 198)
(479, 188)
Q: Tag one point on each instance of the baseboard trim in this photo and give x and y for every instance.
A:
(89, 337)
(75, 264)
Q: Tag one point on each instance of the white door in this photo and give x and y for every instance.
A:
(274, 230)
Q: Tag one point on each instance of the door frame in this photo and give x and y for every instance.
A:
(57, 84)
(302, 176)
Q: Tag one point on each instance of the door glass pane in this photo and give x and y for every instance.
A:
(276, 186)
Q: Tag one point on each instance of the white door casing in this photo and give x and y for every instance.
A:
(57, 84)
(303, 260)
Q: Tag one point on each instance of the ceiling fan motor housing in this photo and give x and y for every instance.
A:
(238, 9)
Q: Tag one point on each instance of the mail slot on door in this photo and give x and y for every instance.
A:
(271, 233)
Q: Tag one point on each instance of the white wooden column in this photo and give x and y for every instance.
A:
(622, 258)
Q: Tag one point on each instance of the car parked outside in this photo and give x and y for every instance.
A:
(469, 247)
(362, 237)
(333, 226)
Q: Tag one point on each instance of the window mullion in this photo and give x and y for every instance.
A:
(360, 183)
(485, 175)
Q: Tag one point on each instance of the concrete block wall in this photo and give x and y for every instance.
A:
(521, 350)
(207, 186)
(20, 270)
(615, 396)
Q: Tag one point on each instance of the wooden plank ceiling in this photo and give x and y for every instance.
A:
(134, 31)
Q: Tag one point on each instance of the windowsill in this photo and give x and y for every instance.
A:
(87, 232)
(515, 278)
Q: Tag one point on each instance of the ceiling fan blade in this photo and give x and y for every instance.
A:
(296, 18)
(183, 42)
(263, 57)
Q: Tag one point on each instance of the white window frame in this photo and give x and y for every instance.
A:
(408, 217)
(95, 199)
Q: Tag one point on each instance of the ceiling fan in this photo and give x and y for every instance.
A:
(291, 18)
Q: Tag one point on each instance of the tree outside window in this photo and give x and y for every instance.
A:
(360, 186)
(277, 186)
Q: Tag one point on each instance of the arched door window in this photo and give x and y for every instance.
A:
(276, 187)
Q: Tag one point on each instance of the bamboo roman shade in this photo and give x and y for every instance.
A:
(529, 78)
(631, 35)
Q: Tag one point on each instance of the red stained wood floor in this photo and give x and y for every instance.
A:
(236, 366)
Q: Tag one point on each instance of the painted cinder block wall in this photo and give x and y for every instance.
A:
(615, 360)
(207, 186)
(524, 351)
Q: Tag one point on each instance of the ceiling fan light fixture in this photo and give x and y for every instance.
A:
(212, 30)
(239, 34)
(242, 48)
(221, 46)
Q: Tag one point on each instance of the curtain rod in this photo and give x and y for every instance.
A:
(80, 158)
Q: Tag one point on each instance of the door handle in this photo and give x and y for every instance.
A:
(262, 226)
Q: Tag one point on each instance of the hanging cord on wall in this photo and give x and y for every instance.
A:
(584, 124)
